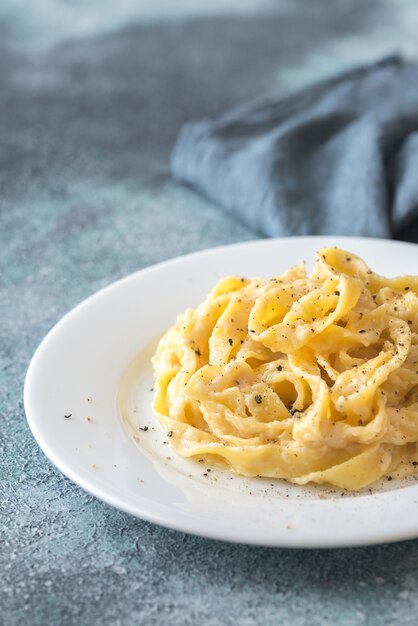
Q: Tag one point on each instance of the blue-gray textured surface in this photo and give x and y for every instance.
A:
(90, 103)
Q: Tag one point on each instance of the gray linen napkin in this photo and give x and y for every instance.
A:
(337, 158)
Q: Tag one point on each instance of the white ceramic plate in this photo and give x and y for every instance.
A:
(103, 347)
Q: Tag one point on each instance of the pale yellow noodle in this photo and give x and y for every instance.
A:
(305, 378)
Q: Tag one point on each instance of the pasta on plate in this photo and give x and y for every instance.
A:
(307, 378)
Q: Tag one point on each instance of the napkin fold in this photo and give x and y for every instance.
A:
(339, 158)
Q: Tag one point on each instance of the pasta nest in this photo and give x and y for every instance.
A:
(308, 378)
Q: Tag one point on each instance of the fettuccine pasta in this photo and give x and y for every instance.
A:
(308, 378)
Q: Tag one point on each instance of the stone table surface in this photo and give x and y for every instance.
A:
(91, 97)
